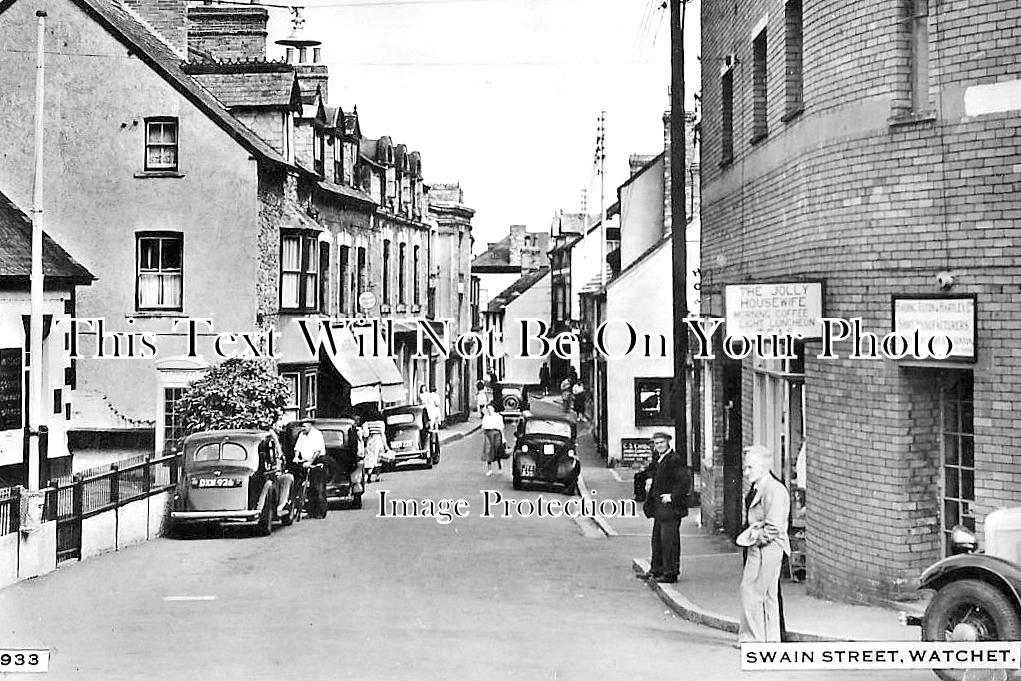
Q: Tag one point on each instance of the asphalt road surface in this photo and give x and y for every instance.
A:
(356, 596)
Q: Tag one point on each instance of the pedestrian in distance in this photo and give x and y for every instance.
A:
(431, 401)
(566, 394)
(496, 391)
(767, 542)
(481, 398)
(544, 378)
(667, 504)
(374, 435)
(492, 438)
(578, 396)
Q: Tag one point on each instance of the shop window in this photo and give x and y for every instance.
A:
(652, 402)
(311, 388)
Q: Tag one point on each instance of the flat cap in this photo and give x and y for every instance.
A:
(662, 435)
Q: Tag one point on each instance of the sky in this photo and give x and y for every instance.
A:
(504, 96)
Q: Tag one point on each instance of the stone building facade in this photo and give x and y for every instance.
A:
(873, 148)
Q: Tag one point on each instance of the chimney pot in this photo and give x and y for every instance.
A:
(290, 55)
(317, 55)
(302, 55)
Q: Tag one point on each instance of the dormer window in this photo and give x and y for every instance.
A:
(318, 142)
(338, 161)
(161, 144)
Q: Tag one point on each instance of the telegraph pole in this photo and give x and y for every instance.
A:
(678, 220)
(35, 388)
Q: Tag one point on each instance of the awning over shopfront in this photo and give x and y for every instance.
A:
(391, 382)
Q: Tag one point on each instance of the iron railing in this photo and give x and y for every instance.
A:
(10, 510)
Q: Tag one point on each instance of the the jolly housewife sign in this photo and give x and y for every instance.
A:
(762, 309)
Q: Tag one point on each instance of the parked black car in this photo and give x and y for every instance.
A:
(345, 482)
(409, 436)
(229, 476)
(544, 452)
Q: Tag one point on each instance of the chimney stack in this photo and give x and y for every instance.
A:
(168, 17)
(228, 32)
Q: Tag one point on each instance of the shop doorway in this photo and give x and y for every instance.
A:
(957, 451)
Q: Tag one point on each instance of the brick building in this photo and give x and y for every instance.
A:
(874, 148)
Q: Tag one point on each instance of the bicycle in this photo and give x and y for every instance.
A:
(301, 498)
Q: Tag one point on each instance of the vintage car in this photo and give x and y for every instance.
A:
(977, 595)
(409, 437)
(345, 482)
(229, 476)
(514, 398)
(544, 451)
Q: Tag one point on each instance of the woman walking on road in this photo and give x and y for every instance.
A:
(374, 434)
(492, 438)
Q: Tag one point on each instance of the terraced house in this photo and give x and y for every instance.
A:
(198, 180)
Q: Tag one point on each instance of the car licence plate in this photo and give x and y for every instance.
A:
(527, 470)
(216, 482)
(402, 444)
(547, 449)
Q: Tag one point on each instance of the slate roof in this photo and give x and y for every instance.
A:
(16, 250)
(595, 285)
(498, 253)
(241, 89)
(143, 42)
(509, 294)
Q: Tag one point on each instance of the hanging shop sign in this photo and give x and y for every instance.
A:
(785, 308)
(947, 322)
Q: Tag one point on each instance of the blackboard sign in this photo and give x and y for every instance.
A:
(10, 388)
(635, 451)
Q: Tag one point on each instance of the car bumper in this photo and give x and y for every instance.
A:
(209, 516)
(410, 455)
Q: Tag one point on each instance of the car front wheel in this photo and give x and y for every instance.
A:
(969, 610)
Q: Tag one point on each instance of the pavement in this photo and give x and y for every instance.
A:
(458, 431)
(711, 565)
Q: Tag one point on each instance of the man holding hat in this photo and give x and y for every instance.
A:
(666, 504)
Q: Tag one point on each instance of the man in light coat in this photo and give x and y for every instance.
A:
(767, 542)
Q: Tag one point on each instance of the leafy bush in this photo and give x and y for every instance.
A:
(239, 393)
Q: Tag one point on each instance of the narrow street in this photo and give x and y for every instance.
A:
(356, 596)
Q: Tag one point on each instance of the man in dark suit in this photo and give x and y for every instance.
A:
(666, 504)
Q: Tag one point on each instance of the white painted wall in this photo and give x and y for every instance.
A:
(642, 297)
(533, 304)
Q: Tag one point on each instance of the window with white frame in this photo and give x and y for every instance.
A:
(160, 270)
(292, 409)
(299, 272)
(161, 144)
